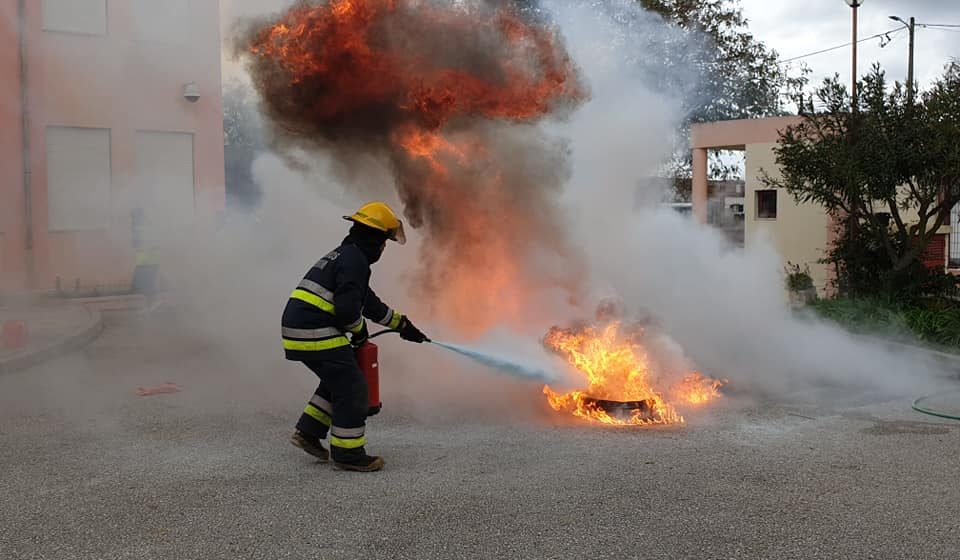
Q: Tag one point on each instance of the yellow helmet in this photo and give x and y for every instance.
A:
(379, 216)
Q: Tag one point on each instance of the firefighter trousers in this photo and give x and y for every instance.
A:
(338, 406)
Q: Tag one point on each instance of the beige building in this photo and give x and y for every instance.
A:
(801, 233)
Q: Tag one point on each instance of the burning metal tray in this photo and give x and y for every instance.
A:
(622, 409)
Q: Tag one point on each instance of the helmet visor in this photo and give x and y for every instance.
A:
(397, 234)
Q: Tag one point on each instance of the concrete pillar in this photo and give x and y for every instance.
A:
(699, 194)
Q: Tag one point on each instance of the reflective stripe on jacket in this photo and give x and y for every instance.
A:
(331, 300)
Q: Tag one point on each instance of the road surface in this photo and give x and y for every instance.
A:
(91, 470)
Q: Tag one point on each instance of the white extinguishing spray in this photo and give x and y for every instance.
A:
(500, 363)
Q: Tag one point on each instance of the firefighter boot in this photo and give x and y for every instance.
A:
(362, 463)
(310, 445)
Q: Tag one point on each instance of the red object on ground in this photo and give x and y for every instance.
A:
(14, 334)
(367, 360)
(158, 390)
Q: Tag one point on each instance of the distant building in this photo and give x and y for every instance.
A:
(724, 203)
(109, 109)
(800, 232)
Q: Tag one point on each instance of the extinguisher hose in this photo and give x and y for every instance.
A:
(374, 335)
(384, 331)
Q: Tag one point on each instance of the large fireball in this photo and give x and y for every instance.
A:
(446, 94)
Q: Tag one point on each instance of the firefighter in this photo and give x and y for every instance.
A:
(332, 302)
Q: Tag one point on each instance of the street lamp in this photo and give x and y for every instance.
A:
(853, 87)
(910, 26)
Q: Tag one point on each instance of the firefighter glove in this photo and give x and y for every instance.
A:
(409, 332)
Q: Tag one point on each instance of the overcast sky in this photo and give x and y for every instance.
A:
(797, 27)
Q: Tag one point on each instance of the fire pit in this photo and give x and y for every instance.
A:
(620, 386)
(623, 410)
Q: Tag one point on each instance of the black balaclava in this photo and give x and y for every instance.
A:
(369, 240)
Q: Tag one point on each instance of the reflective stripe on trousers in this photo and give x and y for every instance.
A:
(317, 414)
(320, 409)
(347, 438)
(322, 403)
(343, 390)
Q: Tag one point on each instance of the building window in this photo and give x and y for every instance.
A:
(75, 16)
(164, 182)
(767, 204)
(165, 22)
(78, 178)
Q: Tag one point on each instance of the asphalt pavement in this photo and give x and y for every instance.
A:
(95, 466)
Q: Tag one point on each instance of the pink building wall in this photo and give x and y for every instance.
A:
(117, 82)
(11, 160)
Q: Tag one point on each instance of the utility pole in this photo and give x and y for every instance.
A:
(853, 83)
(911, 27)
(910, 63)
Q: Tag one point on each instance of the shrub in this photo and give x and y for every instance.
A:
(798, 280)
(935, 321)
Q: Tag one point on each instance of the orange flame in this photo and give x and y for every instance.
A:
(698, 389)
(617, 369)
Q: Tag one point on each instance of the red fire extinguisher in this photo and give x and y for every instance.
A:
(366, 355)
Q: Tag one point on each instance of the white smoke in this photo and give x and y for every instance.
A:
(724, 309)
(727, 308)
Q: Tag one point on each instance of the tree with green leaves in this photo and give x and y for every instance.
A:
(887, 169)
(702, 54)
(737, 74)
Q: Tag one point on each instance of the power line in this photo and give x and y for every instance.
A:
(943, 29)
(847, 44)
(938, 25)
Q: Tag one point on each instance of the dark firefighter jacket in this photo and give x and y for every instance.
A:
(331, 300)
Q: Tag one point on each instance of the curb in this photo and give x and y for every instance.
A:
(79, 338)
(945, 359)
(130, 302)
(939, 354)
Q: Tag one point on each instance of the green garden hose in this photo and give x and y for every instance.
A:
(932, 412)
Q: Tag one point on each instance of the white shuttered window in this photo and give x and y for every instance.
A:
(78, 178)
